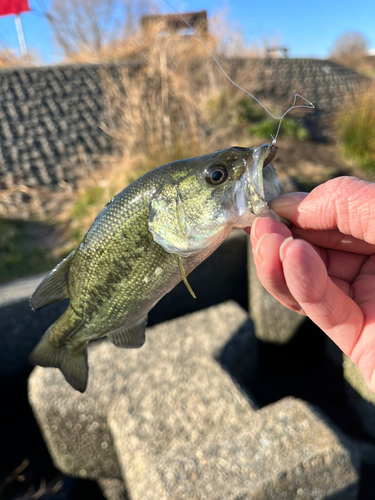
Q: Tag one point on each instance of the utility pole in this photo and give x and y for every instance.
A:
(21, 37)
(15, 7)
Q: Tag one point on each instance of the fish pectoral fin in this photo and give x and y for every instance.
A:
(54, 287)
(184, 278)
(132, 336)
(73, 364)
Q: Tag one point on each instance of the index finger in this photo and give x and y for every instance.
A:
(344, 203)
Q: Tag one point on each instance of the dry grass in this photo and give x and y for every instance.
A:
(350, 49)
(22, 480)
(355, 126)
(223, 40)
(174, 103)
(166, 104)
(9, 59)
(156, 105)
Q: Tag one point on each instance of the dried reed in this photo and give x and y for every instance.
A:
(355, 125)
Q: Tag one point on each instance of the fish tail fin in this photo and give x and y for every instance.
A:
(73, 364)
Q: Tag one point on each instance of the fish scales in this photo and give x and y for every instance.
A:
(121, 264)
(146, 239)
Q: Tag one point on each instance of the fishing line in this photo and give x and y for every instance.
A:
(309, 104)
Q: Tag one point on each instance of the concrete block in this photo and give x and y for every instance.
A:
(171, 423)
(113, 489)
(175, 369)
(359, 396)
(74, 427)
(272, 321)
(288, 452)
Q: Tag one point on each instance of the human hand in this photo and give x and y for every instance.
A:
(324, 266)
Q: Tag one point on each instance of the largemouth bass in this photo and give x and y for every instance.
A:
(142, 244)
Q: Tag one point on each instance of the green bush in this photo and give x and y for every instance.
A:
(91, 197)
(289, 128)
(262, 126)
(246, 113)
(20, 253)
(249, 111)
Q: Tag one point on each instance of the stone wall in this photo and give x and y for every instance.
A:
(322, 82)
(50, 117)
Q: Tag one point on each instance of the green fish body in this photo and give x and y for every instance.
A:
(145, 240)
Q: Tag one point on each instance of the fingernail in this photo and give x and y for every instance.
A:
(285, 204)
(284, 247)
(258, 254)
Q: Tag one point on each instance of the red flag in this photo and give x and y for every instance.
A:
(13, 7)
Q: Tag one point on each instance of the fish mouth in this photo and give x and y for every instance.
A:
(255, 166)
(271, 155)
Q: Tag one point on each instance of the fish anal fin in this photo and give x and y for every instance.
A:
(54, 287)
(73, 364)
(132, 336)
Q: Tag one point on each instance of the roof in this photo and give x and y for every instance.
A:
(173, 22)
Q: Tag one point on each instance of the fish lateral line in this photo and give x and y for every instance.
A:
(309, 104)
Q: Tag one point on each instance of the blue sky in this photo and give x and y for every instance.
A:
(307, 28)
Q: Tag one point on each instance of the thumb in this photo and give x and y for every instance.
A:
(344, 203)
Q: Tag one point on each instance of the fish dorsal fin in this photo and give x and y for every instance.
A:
(130, 336)
(54, 287)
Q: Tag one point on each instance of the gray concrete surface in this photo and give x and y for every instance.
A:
(20, 327)
(171, 423)
(359, 396)
(177, 361)
(285, 452)
(272, 321)
(19, 289)
(113, 489)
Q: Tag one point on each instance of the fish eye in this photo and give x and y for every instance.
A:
(216, 174)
